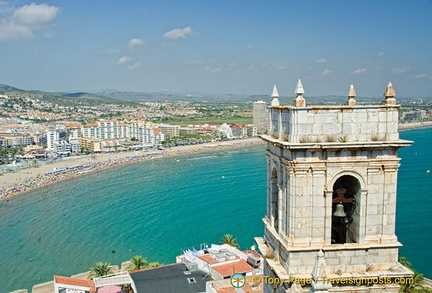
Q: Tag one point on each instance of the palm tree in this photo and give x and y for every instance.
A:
(137, 263)
(154, 264)
(230, 240)
(416, 286)
(100, 269)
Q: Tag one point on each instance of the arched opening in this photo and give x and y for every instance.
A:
(274, 199)
(346, 191)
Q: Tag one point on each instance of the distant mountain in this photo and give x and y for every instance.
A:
(79, 98)
(162, 96)
(132, 97)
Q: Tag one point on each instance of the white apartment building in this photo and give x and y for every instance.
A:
(90, 132)
(52, 137)
(170, 130)
(112, 130)
(62, 148)
(109, 129)
(260, 116)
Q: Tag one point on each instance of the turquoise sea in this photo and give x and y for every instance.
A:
(159, 207)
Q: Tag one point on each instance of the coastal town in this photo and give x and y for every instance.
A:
(64, 150)
(33, 127)
(215, 146)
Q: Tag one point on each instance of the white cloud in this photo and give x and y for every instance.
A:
(252, 67)
(134, 66)
(248, 47)
(125, 59)
(322, 60)
(399, 70)
(381, 54)
(135, 43)
(326, 72)
(421, 76)
(359, 71)
(213, 69)
(178, 33)
(22, 22)
(279, 66)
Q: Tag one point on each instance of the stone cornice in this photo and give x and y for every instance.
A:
(336, 107)
(337, 145)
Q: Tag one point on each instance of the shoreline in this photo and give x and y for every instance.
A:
(28, 179)
(24, 180)
(414, 125)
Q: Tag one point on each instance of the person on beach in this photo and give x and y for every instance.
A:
(41, 180)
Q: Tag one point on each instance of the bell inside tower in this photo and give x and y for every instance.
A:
(345, 210)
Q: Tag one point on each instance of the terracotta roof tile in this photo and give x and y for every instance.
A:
(75, 282)
(229, 269)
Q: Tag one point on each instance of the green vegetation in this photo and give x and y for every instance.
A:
(9, 152)
(184, 139)
(230, 240)
(153, 264)
(100, 269)
(140, 263)
(417, 286)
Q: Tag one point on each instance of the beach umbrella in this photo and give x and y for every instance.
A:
(110, 289)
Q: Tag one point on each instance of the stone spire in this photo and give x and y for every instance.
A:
(351, 95)
(299, 101)
(275, 97)
(389, 95)
(296, 288)
(320, 283)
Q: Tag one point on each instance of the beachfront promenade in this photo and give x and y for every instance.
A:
(25, 179)
(22, 180)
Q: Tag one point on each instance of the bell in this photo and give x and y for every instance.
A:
(340, 211)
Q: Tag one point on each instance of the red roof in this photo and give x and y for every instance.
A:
(208, 259)
(252, 252)
(75, 282)
(229, 269)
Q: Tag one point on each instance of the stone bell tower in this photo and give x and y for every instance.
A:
(331, 196)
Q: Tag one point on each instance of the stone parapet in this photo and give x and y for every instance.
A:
(335, 123)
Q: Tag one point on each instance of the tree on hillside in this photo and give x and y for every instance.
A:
(230, 240)
(100, 269)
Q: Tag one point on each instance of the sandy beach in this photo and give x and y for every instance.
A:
(415, 125)
(26, 179)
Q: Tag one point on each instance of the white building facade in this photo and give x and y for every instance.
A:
(260, 116)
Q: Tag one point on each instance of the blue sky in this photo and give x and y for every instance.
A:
(236, 46)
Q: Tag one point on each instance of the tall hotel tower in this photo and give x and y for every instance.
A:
(260, 116)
